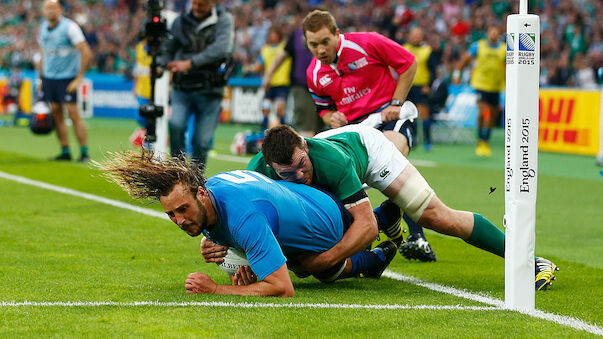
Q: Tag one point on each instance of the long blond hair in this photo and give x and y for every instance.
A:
(143, 176)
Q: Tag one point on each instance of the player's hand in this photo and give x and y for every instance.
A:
(200, 283)
(244, 276)
(425, 90)
(212, 252)
(338, 119)
(266, 84)
(74, 84)
(179, 66)
(390, 113)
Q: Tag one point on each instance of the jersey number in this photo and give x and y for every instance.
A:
(240, 177)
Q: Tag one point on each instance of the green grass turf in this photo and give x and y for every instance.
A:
(57, 247)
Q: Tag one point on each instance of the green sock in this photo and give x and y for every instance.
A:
(65, 150)
(83, 150)
(487, 236)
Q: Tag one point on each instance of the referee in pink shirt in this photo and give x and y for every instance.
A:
(351, 78)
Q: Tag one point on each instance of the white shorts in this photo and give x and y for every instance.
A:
(385, 162)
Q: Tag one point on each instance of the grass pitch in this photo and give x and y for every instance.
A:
(59, 248)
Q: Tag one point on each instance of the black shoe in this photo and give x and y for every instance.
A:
(84, 158)
(416, 247)
(389, 249)
(62, 157)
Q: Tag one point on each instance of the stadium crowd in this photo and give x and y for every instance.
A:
(571, 48)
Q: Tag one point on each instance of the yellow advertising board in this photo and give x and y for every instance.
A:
(24, 100)
(569, 121)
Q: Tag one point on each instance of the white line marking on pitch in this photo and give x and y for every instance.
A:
(64, 190)
(446, 289)
(497, 303)
(247, 305)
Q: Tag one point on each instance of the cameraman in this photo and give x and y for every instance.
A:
(201, 41)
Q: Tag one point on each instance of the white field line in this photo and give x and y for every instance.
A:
(446, 289)
(497, 303)
(245, 160)
(247, 305)
(64, 190)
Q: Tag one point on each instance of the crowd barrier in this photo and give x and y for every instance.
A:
(570, 119)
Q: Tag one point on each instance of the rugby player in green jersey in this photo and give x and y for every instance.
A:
(340, 160)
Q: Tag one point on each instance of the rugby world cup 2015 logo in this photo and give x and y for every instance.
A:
(510, 42)
(510, 48)
(527, 42)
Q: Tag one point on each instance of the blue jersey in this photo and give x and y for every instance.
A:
(61, 59)
(270, 219)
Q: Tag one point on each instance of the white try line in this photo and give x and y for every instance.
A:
(244, 305)
(244, 160)
(496, 303)
(69, 191)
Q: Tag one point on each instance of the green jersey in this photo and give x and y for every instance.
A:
(340, 162)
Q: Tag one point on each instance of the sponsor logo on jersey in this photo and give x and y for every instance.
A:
(352, 95)
(358, 64)
(325, 80)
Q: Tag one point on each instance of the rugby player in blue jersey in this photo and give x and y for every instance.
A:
(273, 222)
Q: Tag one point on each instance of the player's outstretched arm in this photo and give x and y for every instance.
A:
(277, 284)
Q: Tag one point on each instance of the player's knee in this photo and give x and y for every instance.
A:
(266, 105)
(435, 218)
(440, 218)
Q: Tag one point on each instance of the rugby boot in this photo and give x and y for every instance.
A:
(416, 247)
(545, 273)
(385, 252)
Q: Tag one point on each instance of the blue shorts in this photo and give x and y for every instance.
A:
(492, 98)
(416, 96)
(278, 92)
(55, 90)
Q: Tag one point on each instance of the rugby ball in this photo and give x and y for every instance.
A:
(234, 259)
